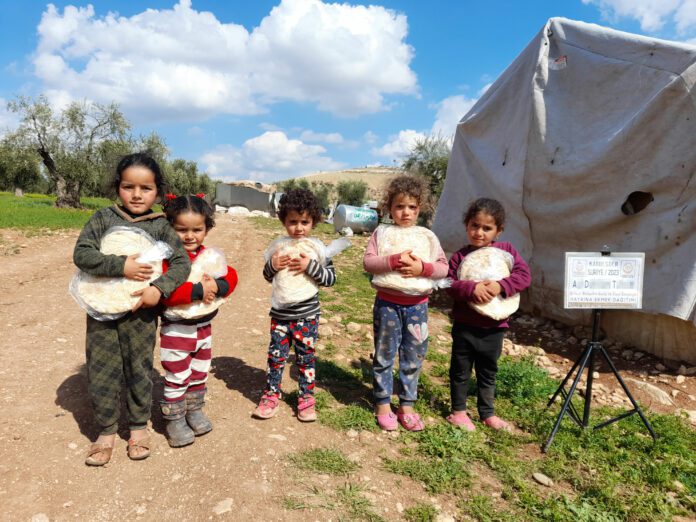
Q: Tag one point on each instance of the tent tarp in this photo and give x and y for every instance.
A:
(581, 119)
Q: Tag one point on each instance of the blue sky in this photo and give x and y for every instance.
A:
(271, 90)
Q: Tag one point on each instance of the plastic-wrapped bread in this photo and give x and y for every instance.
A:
(108, 298)
(393, 239)
(490, 263)
(211, 262)
(289, 287)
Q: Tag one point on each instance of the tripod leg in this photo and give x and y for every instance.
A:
(576, 380)
(628, 394)
(588, 388)
(565, 379)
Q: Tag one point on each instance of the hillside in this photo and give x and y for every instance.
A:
(377, 178)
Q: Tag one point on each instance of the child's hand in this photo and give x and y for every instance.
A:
(410, 265)
(279, 262)
(299, 264)
(493, 287)
(138, 271)
(210, 289)
(482, 293)
(149, 297)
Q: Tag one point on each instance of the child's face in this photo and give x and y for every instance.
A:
(191, 230)
(404, 210)
(482, 230)
(298, 224)
(137, 189)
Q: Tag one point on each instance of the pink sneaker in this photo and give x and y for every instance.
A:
(268, 406)
(410, 421)
(305, 409)
(461, 420)
(497, 423)
(387, 422)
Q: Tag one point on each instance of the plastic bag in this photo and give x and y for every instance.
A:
(211, 262)
(109, 298)
(288, 287)
(493, 264)
(393, 239)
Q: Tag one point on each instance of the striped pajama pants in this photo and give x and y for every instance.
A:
(185, 353)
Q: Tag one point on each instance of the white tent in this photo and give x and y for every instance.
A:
(582, 118)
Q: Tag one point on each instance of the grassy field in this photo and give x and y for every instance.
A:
(37, 211)
(614, 474)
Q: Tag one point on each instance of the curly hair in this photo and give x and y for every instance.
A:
(192, 204)
(300, 200)
(492, 207)
(412, 186)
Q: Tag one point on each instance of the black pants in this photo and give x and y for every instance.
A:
(477, 348)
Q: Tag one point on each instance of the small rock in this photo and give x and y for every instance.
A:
(690, 371)
(336, 319)
(352, 434)
(321, 347)
(72, 446)
(176, 477)
(326, 331)
(680, 379)
(572, 340)
(61, 340)
(323, 320)
(276, 436)
(660, 367)
(543, 479)
(223, 506)
(140, 509)
(442, 338)
(660, 395)
(353, 327)
(444, 517)
(254, 331)
(638, 355)
(595, 375)
(675, 393)
(678, 486)
(627, 354)
(40, 517)
(366, 436)
(399, 507)
(70, 503)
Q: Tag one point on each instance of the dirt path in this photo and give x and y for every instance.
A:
(240, 470)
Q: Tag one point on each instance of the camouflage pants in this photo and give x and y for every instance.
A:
(120, 352)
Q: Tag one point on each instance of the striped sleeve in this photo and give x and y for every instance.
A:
(322, 275)
(268, 271)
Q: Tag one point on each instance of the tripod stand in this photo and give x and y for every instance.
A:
(587, 360)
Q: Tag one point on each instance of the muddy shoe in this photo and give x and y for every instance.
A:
(178, 431)
(195, 418)
(268, 406)
(305, 409)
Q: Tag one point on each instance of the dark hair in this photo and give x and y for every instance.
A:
(412, 186)
(192, 204)
(140, 159)
(300, 200)
(492, 207)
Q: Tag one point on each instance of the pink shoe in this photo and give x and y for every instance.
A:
(268, 406)
(461, 420)
(387, 422)
(497, 423)
(305, 409)
(410, 421)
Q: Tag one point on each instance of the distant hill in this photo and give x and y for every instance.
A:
(377, 178)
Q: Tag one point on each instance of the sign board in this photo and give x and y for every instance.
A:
(593, 280)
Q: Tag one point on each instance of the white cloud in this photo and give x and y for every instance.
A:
(319, 137)
(449, 112)
(268, 157)
(182, 63)
(370, 137)
(652, 14)
(399, 146)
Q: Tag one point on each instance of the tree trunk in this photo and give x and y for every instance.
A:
(67, 193)
(19, 193)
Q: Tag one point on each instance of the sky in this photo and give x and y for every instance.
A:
(270, 90)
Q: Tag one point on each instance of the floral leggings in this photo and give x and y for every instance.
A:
(303, 335)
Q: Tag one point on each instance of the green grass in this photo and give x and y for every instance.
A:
(420, 513)
(348, 500)
(37, 211)
(616, 473)
(325, 460)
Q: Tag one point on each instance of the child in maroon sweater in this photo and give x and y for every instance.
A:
(477, 340)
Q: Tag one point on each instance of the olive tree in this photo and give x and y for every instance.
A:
(19, 169)
(67, 141)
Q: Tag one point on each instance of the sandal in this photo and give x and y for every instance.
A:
(410, 421)
(497, 423)
(461, 420)
(305, 409)
(268, 406)
(387, 422)
(96, 449)
(134, 445)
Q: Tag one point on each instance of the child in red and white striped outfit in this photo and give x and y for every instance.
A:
(185, 345)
